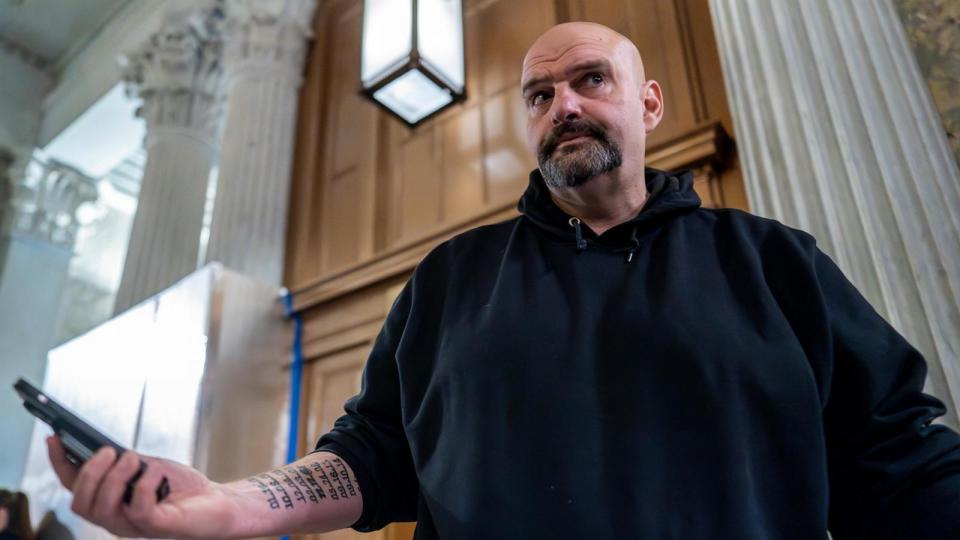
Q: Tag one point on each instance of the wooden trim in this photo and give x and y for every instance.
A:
(705, 145)
(341, 340)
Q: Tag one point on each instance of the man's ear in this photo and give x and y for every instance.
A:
(652, 97)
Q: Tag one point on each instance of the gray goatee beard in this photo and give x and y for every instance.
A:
(576, 165)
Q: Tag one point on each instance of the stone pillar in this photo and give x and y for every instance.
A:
(177, 75)
(265, 44)
(6, 189)
(839, 137)
(37, 246)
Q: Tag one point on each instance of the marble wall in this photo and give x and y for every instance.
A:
(933, 27)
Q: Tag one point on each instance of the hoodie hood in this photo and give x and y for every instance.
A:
(671, 193)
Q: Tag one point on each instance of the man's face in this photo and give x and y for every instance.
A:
(584, 92)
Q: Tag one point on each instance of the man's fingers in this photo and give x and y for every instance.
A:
(145, 494)
(106, 504)
(66, 471)
(89, 479)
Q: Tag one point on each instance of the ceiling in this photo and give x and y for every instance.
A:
(52, 31)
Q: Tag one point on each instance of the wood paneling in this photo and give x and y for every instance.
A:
(348, 180)
(702, 149)
(507, 161)
(462, 168)
(365, 184)
(420, 184)
(506, 29)
(326, 385)
(372, 197)
(305, 196)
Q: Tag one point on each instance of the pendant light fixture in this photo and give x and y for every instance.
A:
(412, 56)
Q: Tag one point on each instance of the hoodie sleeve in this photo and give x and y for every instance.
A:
(892, 473)
(370, 436)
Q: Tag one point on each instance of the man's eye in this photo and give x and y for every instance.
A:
(595, 79)
(538, 98)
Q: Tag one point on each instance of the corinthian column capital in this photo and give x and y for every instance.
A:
(177, 73)
(266, 37)
(45, 202)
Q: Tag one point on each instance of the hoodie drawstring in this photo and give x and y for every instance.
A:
(581, 243)
(635, 242)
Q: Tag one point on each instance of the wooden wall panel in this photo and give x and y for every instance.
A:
(507, 160)
(674, 74)
(352, 117)
(615, 15)
(462, 169)
(507, 28)
(327, 385)
(343, 205)
(347, 231)
(306, 194)
(420, 184)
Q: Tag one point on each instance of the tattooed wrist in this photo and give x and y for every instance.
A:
(293, 485)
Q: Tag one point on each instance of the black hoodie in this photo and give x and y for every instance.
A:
(690, 374)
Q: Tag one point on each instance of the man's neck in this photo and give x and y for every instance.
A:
(605, 201)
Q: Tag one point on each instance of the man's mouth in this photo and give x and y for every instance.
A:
(572, 137)
(575, 134)
(569, 137)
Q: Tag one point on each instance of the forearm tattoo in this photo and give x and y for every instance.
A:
(301, 484)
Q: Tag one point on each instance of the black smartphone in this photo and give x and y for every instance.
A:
(80, 440)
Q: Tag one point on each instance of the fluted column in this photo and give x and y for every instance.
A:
(838, 136)
(265, 44)
(177, 75)
(37, 246)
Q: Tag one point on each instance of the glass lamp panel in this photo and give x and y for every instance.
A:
(440, 38)
(413, 96)
(387, 36)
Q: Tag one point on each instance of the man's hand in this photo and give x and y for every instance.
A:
(315, 494)
(195, 508)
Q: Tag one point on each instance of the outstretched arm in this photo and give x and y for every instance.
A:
(315, 494)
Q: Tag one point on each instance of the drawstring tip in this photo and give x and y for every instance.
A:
(629, 256)
(581, 243)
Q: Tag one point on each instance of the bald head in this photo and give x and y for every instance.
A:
(560, 39)
(589, 103)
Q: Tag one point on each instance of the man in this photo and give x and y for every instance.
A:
(615, 363)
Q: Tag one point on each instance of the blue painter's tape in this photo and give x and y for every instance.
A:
(296, 374)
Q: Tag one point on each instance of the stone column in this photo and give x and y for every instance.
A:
(839, 137)
(6, 189)
(37, 246)
(177, 75)
(265, 44)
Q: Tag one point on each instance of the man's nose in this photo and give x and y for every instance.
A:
(565, 106)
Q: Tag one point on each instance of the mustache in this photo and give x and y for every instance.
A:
(578, 127)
